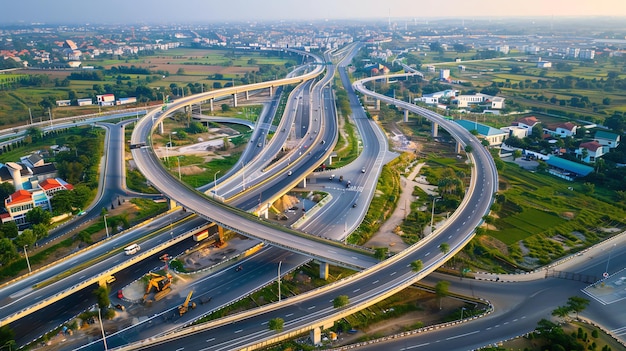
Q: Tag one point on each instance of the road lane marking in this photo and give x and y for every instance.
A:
(209, 340)
(393, 273)
(462, 335)
(357, 290)
(375, 282)
(238, 331)
(426, 254)
(415, 346)
(310, 308)
(264, 323)
(291, 314)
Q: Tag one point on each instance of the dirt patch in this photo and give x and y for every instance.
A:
(568, 215)
(491, 242)
(189, 170)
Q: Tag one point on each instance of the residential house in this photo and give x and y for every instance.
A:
(561, 130)
(590, 151)
(527, 123)
(607, 139)
(22, 201)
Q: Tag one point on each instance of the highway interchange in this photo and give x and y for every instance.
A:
(372, 284)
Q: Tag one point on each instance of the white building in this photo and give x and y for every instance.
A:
(587, 54)
(444, 74)
(433, 99)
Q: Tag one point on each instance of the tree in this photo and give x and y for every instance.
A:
(26, 238)
(517, 154)
(38, 215)
(9, 230)
(441, 290)
(225, 107)
(468, 149)
(606, 101)
(6, 189)
(181, 71)
(341, 301)
(381, 253)
(7, 337)
(40, 230)
(577, 304)
(276, 324)
(8, 252)
(62, 202)
(562, 312)
(102, 296)
(444, 247)
(417, 266)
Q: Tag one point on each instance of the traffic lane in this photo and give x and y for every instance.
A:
(42, 321)
(25, 300)
(223, 288)
(18, 289)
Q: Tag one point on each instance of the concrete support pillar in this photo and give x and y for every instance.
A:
(247, 95)
(220, 232)
(303, 184)
(435, 129)
(161, 130)
(171, 204)
(406, 116)
(324, 270)
(316, 336)
(458, 147)
(330, 160)
(377, 104)
(235, 100)
(271, 91)
(211, 104)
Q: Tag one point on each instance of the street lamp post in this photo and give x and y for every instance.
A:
(27, 262)
(106, 227)
(178, 158)
(462, 309)
(104, 338)
(215, 184)
(432, 215)
(278, 278)
(606, 271)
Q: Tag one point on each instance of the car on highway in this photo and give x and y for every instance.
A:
(363, 170)
(289, 173)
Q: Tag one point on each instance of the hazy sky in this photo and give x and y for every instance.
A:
(187, 11)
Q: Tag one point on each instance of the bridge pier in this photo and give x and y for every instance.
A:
(171, 204)
(406, 116)
(234, 99)
(161, 130)
(324, 270)
(458, 147)
(434, 129)
(377, 104)
(247, 95)
(271, 91)
(316, 336)
(303, 184)
(211, 104)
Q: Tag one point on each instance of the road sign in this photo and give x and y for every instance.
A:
(605, 274)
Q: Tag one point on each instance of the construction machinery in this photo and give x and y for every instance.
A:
(161, 283)
(182, 309)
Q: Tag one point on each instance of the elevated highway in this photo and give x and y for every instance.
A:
(314, 310)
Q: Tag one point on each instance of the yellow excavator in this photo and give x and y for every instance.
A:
(161, 283)
(182, 309)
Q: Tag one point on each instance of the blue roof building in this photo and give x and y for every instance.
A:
(494, 136)
(567, 169)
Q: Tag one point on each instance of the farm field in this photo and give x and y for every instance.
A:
(540, 218)
(184, 66)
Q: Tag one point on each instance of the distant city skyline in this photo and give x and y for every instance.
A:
(206, 11)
